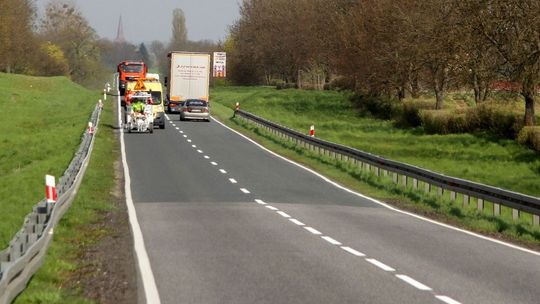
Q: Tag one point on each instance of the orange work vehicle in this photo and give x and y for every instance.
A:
(130, 70)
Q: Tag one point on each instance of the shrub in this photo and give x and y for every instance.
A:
(443, 121)
(286, 85)
(410, 113)
(530, 136)
(379, 106)
(494, 118)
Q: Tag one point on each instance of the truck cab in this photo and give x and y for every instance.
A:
(130, 71)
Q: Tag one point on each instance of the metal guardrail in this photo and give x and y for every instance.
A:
(517, 201)
(26, 251)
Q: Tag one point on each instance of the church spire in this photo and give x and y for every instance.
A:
(120, 32)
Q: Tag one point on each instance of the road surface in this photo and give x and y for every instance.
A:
(225, 221)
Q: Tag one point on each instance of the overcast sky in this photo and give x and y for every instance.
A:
(148, 20)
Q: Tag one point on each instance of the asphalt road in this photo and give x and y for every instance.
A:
(225, 221)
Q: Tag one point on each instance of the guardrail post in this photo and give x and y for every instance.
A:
(515, 214)
(440, 191)
(480, 204)
(536, 220)
(496, 209)
(453, 195)
(427, 188)
(378, 171)
(466, 199)
(395, 177)
(404, 180)
(415, 183)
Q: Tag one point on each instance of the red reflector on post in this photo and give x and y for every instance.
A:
(50, 189)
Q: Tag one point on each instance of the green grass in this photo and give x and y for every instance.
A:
(351, 176)
(482, 158)
(42, 122)
(56, 281)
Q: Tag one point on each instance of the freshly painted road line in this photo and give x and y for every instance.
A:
(447, 300)
(285, 215)
(326, 179)
(271, 207)
(352, 251)
(246, 191)
(260, 202)
(297, 222)
(412, 282)
(313, 230)
(331, 240)
(145, 269)
(233, 181)
(380, 265)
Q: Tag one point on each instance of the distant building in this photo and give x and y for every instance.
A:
(120, 39)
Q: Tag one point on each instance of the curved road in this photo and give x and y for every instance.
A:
(225, 221)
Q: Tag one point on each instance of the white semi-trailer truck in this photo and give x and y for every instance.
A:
(189, 78)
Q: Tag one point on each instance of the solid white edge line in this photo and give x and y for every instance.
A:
(353, 251)
(260, 202)
(380, 265)
(285, 215)
(379, 202)
(447, 300)
(412, 282)
(297, 222)
(313, 230)
(331, 240)
(223, 171)
(246, 191)
(233, 181)
(147, 276)
(271, 207)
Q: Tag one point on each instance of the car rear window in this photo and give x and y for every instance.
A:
(196, 103)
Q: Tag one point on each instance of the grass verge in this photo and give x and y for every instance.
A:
(54, 282)
(383, 189)
(479, 157)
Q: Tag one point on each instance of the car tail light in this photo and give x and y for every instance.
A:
(205, 110)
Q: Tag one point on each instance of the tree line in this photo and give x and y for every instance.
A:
(391, 48)
(62, 43)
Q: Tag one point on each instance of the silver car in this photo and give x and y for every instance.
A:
(195, 109)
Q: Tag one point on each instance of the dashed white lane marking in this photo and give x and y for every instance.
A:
(331, 240)
(189, 140)
(233, 181)
(185, 136)
(381, 265)
(199, 151)
(214, 163)
(194, 146)
(174, 125)
(285, 215)
(177, 128)
(271, 207)
(412, 282)
(181, 132)
(206, 156)
(260, 202)
(374, 200)
(352, 251)
(313, 230)
(223, 171)
(448, 300)
(297, 222)
(246, 191)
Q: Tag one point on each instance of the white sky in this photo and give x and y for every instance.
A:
(148, 20)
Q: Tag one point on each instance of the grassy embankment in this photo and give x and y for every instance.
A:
(42, 126)
(481, 158)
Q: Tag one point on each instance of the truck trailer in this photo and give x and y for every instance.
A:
(189, 78)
